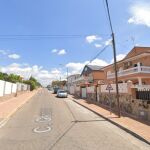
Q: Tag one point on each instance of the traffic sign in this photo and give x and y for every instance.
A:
(109, 87)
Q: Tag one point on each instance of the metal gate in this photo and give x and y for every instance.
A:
(83, 92)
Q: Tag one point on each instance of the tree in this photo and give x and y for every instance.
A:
(33, 79)
(31, 83)
(58, 83)
(14, 78)
(10, 78)
(1, 76)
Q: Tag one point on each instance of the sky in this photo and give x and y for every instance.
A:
(42, 38)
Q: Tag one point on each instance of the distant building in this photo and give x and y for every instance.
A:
(89, 77)
(70, 83)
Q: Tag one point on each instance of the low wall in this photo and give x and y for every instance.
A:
(91, 96)
(2, 88)
(129, 105)
(8, 89)
(136, 108)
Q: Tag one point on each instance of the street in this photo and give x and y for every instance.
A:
(50, 123)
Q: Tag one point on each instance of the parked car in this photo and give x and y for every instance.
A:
(62, 93)
(55, 90)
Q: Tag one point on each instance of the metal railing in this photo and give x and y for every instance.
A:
(140, 69)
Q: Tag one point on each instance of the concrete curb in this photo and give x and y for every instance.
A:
(5, 120)
(118, 125)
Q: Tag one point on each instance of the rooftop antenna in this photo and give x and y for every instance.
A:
(133, 40)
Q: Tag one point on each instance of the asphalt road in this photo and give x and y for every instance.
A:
(50, 123)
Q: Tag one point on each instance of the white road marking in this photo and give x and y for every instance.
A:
(44, 118)
(37, 130)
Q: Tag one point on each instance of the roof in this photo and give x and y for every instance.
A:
(137, 51)
(73, 75)
(94, 67)
(89, 68)
(134, 52)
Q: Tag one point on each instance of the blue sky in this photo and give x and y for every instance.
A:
(41, 55)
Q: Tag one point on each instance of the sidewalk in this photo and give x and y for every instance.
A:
(9, 107)
(138, 129)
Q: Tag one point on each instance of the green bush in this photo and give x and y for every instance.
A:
(31, 83)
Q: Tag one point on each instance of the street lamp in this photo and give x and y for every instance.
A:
(66, 68)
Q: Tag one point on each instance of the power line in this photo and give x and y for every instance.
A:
(14, 36)
(101, 51)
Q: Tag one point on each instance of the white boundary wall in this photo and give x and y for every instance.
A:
(90, 89)
(77, 88)
(14, 88)
(72, 90)
(7, 88)
(123, 88)
(2, 84)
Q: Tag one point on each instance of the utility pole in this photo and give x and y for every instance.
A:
(115, 60)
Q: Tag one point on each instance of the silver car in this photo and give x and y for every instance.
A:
(62, 93)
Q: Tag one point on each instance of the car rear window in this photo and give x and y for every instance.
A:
(62, 92)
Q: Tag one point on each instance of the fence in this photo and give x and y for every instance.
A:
(143, 94)
(123, 88)
(7, 88)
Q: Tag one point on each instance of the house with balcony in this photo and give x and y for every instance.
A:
(134, 67)
(134, 84)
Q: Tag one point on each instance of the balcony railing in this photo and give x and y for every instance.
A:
(139, 69)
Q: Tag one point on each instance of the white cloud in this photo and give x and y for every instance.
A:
(140, 14)
(59, 51)
(3, 52)
(14, 56)
(75, 67)
(43, 76)
(55, 71)
(98, 45)
(99, 62)
(54, 50)
(119, 57)
(62, 52)
(92, 38)
(108, 42)
(78, 67)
